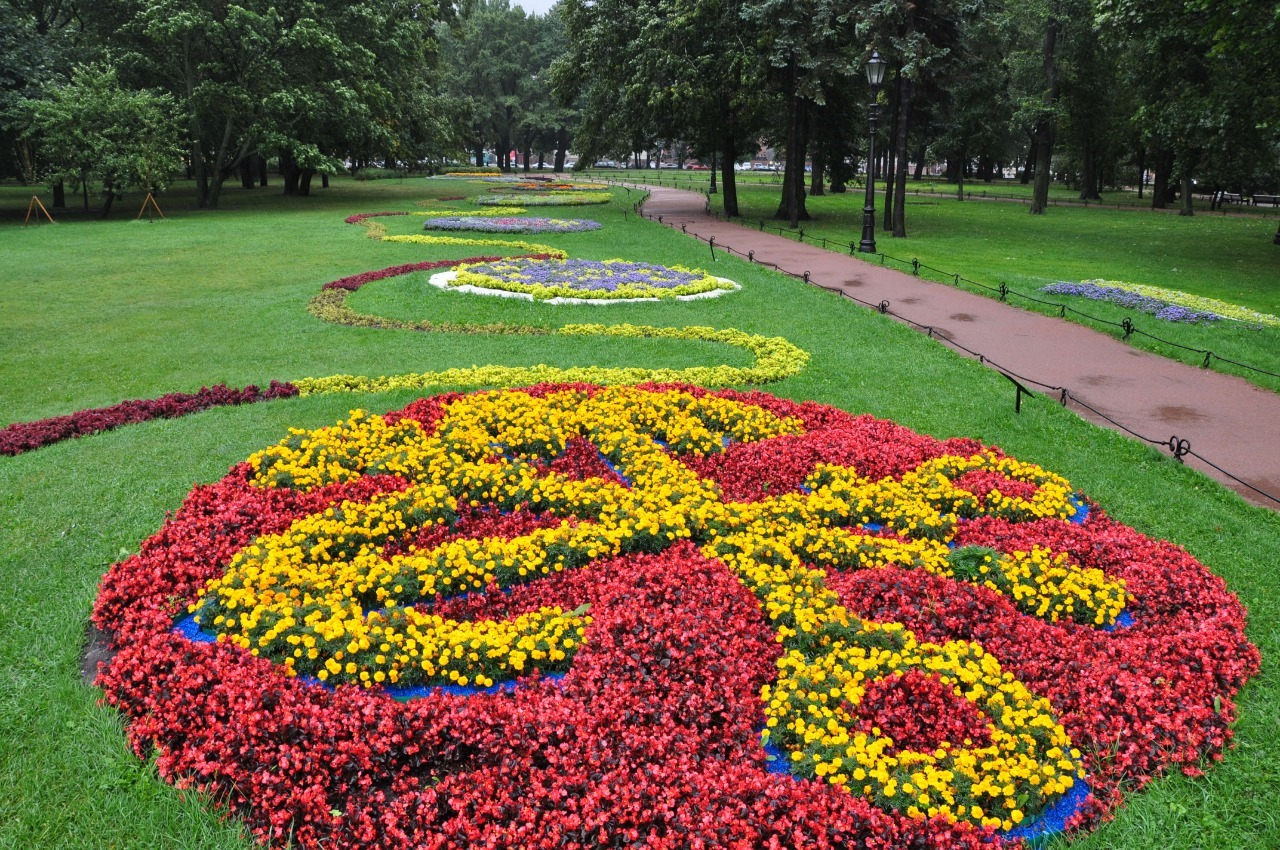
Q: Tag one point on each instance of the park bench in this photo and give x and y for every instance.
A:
(1267, 200)
(1230, 198)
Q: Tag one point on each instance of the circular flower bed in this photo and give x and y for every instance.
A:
(545, 199)
(778, 624)
(582, 281)
(512, 224)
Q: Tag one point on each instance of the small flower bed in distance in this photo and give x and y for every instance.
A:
(585, 279)
(550, 187)
(512, 224)
(721, 563)
(545, 199)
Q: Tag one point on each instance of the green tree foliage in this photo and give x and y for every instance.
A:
(807, 46)
(678, 70)
(38, 41)
(497, 62)
(922, 40)
(300, 79)
(93, 131)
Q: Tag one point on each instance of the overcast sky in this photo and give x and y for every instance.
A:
(539, 7)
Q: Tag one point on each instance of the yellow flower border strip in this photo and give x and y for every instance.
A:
(775, 359)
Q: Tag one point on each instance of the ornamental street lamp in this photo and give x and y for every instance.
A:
(875, 76)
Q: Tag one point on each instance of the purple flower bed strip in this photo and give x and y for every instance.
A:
(1134, 301)
(513, 224)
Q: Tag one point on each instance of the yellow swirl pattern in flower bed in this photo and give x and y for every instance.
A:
(327, 598)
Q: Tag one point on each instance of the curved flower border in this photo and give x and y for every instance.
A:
(446, 281)
(511, 224)
(658, 707)
(775, 359)
(21, 437)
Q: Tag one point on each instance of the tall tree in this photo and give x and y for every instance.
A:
(919, 38)
(284, 77)
(807, 46)
(1207, 96)
(40, 41)
(93, 131)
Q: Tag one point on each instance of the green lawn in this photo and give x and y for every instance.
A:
(96, 312)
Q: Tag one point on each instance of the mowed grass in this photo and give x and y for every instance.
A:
(95, 312)
(1229, 258)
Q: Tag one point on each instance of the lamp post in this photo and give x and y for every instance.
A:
(875, 76)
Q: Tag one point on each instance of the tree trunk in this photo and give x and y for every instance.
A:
(1142, 170)
(960, 178)
(246, 177)
(1045, 125)
(1187, 205)
(1160, 185)
(920, 154)
(839, 177)
(900, 156)
(109, 198)
(26, 162)
(59, 195)
(223, 161)
(324, 181)
(1040, 187)
(478, 150)
(528, 155)
(304, 182)
(889, 170)
(728, 177)
(792, 207)
(84, 188)
(260, 165)
(1089, 174)
(291, 173)
(816, 176)
(1029, 167)
(562, 146)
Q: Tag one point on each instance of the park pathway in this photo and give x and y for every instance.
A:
(1222, 419)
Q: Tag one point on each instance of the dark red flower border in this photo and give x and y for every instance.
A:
(25, 436)
(20, 437)
(652, 736)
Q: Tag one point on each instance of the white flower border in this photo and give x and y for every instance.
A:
(442, 280)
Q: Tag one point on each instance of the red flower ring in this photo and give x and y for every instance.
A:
(653, 736)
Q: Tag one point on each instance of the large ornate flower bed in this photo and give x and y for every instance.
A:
(582, 281)
(938, 643)
(511, 224)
